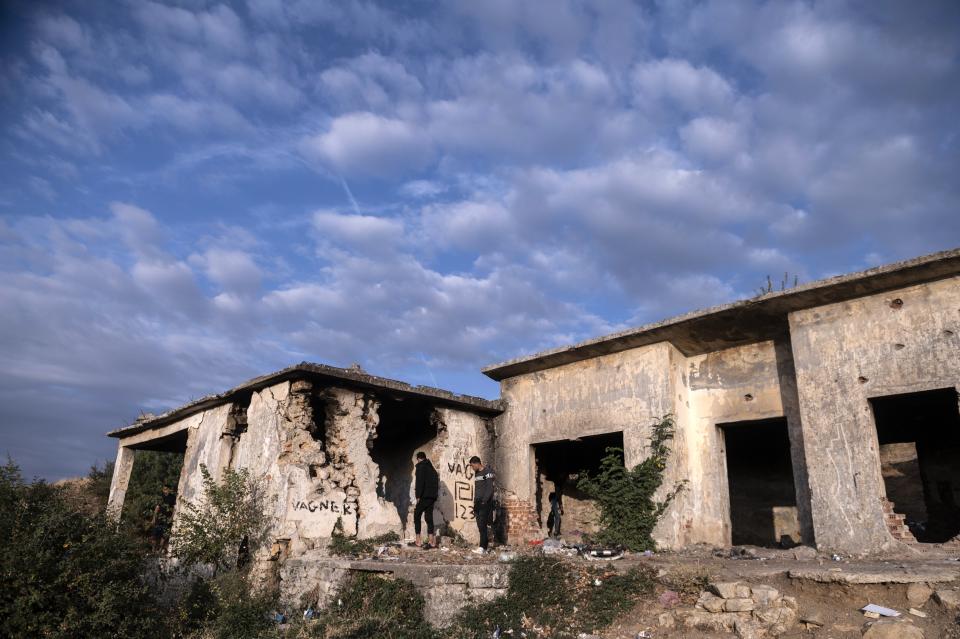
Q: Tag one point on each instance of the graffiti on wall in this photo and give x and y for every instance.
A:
(462, 487)
(304, 506)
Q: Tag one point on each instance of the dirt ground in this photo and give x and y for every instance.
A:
(829, 590)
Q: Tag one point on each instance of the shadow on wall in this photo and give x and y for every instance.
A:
(405, 427)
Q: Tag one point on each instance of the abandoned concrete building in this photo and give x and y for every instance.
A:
(825, 414)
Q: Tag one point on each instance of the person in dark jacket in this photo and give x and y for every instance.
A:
(482, 499)
(426, 490)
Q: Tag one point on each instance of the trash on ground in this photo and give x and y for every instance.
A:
(917, 613)
(880, 610)
(603, 554)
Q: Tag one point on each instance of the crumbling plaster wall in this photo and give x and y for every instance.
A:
(316, 468)
(903, 341)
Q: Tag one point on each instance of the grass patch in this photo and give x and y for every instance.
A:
(550, 599)
(344, 545)
(370, 605)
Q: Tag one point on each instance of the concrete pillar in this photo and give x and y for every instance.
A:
(790, 398)
(121, 480)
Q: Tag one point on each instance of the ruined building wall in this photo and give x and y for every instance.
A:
(627, 392)
(898, 342)
(623, 391)
(732, 385)
(311, 450)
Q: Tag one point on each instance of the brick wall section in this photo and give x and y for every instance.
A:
(896, 525)
(522, 522)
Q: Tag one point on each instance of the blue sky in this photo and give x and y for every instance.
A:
(196, 193)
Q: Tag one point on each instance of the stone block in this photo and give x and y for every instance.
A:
(743, 591)
(480, 580)
(890, 629)
(949, 599)
(739, 604)
(666, 620)
(918, 594)
(702, 620)
(749, 629)
(764, 595)
(787, 620)
(710, 602)
(804, 553)
(727, 590)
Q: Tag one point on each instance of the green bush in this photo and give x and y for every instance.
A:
(68, 573)
(626, 498)
(552, 599)
(230, 514)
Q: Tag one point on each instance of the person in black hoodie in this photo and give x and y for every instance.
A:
(426, 490)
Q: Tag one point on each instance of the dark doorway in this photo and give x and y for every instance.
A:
(919, 438)
(559, 467)
(406, 426)
(763, 502)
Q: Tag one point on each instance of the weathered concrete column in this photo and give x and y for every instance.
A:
(121, 479)
(798, 459)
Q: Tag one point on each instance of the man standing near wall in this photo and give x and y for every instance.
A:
(482, 499)
(426, 490)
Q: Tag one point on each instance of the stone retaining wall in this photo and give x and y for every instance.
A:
(446, 588)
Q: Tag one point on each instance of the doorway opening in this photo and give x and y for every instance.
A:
(406, 426)
(763, 501)
(559, 466)
(154, 479)
(919, 445)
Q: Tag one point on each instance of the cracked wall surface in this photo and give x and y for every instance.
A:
(310, 447)
(628, 391)
(904, 341)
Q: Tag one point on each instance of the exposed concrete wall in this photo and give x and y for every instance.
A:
(624, 391)
(732, 385)
(462, 436)
(627, 392)
(898, 342)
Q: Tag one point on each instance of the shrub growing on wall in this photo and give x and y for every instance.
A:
(626, 498)
(230, 514)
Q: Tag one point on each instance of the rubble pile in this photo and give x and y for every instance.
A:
(750, 611)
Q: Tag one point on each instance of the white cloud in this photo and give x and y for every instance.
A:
(712, 139)
(680, 84)
(232, 270)
(368, 144)
(365, 232)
